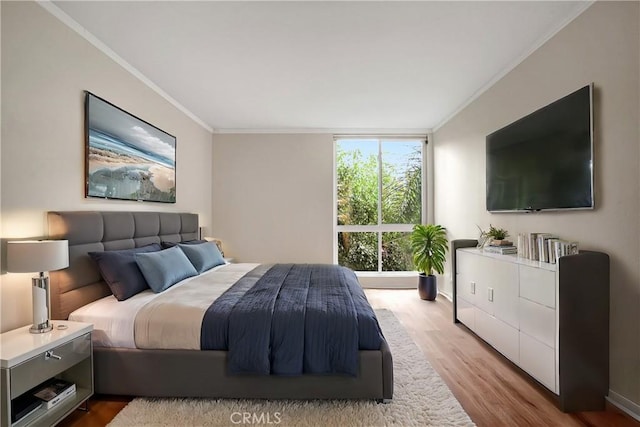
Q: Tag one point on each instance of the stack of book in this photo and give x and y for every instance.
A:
(504, 248)
(544, 247)
(54, 391)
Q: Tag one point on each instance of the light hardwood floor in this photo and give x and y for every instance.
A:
(490, 388)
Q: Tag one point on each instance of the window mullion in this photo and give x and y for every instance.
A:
(379, 205)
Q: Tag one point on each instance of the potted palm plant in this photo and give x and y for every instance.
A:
(429, 245)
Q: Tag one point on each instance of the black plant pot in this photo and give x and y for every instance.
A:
(427, 287)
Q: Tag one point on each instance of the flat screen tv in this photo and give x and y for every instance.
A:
(544, 161)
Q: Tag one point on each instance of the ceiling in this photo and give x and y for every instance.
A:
(303, 66)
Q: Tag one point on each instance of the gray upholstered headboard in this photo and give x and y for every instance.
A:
(88, 231)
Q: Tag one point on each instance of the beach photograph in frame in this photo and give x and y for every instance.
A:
(126, 157)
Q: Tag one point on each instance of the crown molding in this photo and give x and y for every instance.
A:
(585, 5)
(331, 131)
(84, 33)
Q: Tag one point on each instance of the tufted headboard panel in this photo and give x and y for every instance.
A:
(92, 231)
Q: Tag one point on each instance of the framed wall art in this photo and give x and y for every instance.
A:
(126, 157)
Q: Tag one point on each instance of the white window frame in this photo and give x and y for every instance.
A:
(379, 228)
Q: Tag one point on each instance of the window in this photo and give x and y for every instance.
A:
(379, 198)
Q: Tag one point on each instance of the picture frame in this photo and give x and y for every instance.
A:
(127, 158)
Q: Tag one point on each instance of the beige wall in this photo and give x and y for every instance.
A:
(270, 197)
(600, 46)
(45, 69)
(273, 196)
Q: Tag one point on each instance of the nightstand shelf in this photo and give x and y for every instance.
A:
(51, 416)
(24, 365)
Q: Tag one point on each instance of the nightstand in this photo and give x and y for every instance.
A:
(28, 360)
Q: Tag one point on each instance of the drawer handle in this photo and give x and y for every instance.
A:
(49, 355)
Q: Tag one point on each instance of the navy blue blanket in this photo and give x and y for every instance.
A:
(292, 319)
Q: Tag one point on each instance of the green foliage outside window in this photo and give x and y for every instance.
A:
(357, 198)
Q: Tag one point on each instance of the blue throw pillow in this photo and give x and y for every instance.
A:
(166, 245)
(204, 256)
(165, 268)
(120, 271)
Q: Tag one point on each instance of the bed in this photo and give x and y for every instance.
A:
(123, 370)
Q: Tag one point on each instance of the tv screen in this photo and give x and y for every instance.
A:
(544, 160)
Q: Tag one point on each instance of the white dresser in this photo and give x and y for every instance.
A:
(551, 320)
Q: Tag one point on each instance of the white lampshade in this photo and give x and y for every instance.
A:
(30, 256)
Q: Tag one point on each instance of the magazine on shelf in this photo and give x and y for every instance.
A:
(24, 405)
(54, 391)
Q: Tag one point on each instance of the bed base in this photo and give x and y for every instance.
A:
(194, 373)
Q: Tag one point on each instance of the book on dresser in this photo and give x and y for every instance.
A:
(502, 250)
(54, 391)
(543, 246)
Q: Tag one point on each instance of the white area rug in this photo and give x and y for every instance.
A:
(420, 398)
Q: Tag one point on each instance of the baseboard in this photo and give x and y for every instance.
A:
(370, 285)
(388, 280)
(625, 405)
(446, 295)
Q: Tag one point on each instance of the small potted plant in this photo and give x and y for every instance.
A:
(429, 245)
(497, 236)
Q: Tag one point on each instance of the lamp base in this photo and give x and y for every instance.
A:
(41, 328)
(40, 293)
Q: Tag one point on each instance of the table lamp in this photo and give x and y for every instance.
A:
(217, 241)
(30, 256)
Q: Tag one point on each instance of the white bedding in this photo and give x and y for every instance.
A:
(114, 321)
(173, 320)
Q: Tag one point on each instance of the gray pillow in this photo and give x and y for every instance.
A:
(120, 271)
(165, 268)
(204, 256)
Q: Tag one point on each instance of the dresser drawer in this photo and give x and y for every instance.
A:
(538, 285)
(539, 361)
(465, 288)
(39, 369)
(500, 335)
(467, 263)
(538, 321)
(466, 313)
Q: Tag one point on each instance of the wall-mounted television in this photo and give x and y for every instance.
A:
(544, 161)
